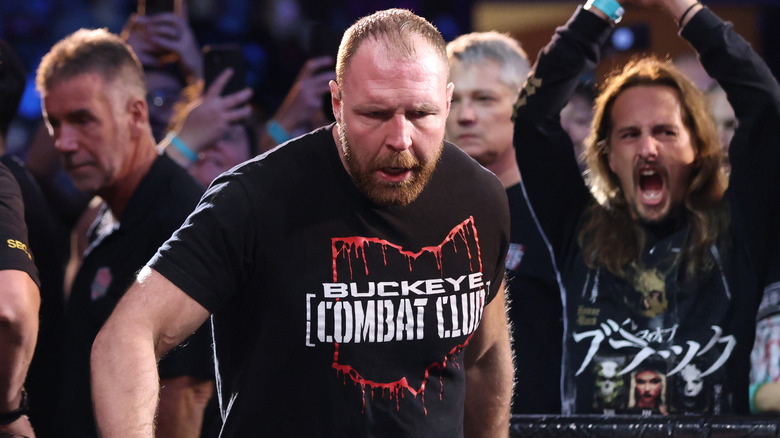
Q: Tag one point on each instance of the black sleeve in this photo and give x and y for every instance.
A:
(209, 256)
(544, 150)
(754, 152)
(14, 246)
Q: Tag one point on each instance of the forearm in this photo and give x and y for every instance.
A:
(19, 305)
(125, 383)
(489, 374)
(726, 56)
(544, 151)
(489, 395)
(182, 403)
(574, 50)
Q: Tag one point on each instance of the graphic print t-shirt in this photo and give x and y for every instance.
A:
(333, 315)
(652, 343)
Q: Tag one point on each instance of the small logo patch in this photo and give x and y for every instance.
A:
(101, 283)
(514, 256)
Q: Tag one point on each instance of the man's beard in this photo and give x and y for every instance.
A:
(383, 192)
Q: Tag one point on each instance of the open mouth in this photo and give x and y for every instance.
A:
(395, 174)
(651, 186)
(394, 170)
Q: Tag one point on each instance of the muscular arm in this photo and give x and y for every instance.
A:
(489, 374)
(152, 317)
(544, 151)
(754, 93)
(182, 402)
(19, 305)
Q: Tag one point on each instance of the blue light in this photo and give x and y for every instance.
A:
(623, 38)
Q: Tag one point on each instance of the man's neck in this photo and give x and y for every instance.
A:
(506, 169)
(118, 194)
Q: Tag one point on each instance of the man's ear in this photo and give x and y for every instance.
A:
(138, 113)
(335, 100)
(450, 91)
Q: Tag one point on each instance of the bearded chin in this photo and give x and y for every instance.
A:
(383, 192)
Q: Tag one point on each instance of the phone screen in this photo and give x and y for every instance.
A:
(219, 57)
(151, 7)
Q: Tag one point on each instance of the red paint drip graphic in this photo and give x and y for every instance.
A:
(395, 389)
(357, 246)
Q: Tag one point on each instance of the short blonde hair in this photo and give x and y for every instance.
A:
(90, 51)
(396, 26)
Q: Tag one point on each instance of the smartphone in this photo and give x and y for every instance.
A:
(216, 58)
(151, 7)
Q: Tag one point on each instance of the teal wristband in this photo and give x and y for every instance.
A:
(611, 8)
(277, 133)
(752, 395)
(182, 147)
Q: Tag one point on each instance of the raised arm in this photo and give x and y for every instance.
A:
(152, 317)
(302, 108)
(726, 56)
(545, 153)
(205, 120)
(754, 152)
(489, 374)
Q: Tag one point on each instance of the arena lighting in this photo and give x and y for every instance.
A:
(623, 38)
(634, 37)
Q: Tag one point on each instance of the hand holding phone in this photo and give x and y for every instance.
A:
(152, 7)
(217, 58)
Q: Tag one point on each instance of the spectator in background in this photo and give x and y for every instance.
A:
(668, 251)
(304, 107)
(167, 49)
(722, 111)
(237, 145)
(19, 304)
(488, 70)
(723, 114)
(765, 357)
(209, 131)
(576, 118)
(688, 64)
(215, 126)
(94, 105)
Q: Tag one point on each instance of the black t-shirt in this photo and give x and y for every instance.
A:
(534, 311)
(334, 316)
(159, 205)
(15, 252)
(50, 243)
(655, 340)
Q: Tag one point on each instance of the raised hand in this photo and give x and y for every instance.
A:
(209, 116)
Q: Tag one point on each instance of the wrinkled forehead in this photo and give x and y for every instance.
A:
(406, 50)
